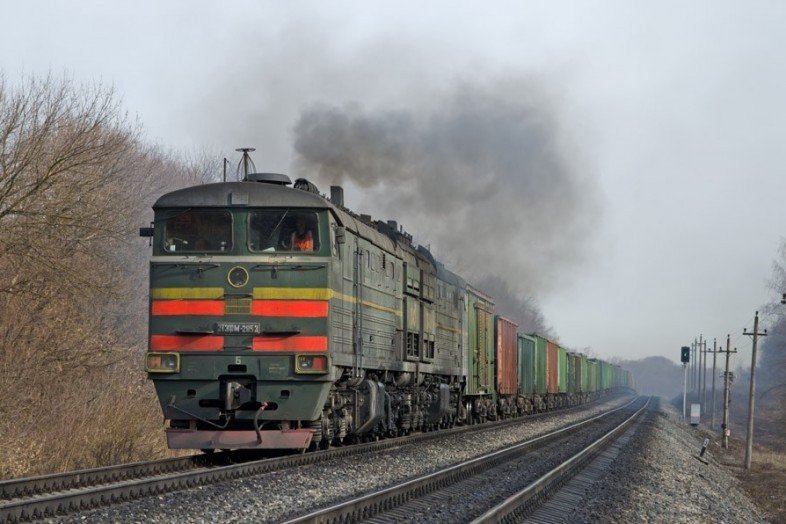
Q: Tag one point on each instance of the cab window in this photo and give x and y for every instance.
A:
(198, 231)
(288, 230)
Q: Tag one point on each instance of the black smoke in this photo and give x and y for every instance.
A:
(485, 174)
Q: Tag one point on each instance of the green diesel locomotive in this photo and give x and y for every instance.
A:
(280, 319)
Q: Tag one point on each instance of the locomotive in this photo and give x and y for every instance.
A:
(279, 319)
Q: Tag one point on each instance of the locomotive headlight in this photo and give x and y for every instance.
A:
(237, 276)
(305, 364)
(162, 363)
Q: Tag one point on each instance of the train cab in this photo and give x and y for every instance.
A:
(240, 289)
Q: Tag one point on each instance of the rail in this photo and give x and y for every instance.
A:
(373, 503)
(58, 494)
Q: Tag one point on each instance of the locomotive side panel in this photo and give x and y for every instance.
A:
(450, 323)
(377, 309)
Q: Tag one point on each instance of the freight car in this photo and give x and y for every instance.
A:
(280, 319)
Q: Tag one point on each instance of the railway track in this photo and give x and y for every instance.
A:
(420, 499)
(59, 494)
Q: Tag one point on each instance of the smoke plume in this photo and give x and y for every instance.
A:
(484, 174)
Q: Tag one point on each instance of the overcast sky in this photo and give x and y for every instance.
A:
(677, 111)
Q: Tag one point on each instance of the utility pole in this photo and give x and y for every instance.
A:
(698, 370)
(725, 425)
(698, 393)
(693, 365)
(714, 360)
(690, 366)
(749, 441)
(704, 381)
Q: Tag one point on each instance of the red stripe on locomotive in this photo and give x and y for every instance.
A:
(187, 307)
(186, 343)
(294, 343)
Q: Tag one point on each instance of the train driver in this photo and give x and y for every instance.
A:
(302, 238)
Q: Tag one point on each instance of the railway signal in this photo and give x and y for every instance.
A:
(685, 359)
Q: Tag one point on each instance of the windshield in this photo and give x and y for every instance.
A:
(198, 231)
(273, 230)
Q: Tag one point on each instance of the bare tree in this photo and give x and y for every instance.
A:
(76, 181)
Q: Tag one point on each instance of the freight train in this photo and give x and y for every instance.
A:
(279, 319)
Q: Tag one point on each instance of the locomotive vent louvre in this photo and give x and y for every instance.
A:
(237, 306)
(278, 179)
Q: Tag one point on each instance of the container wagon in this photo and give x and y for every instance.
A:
(592, 375)
(548, 370)
(562, 371)
(506, 366)
(530, 399)
(541, 370)
(480, 392)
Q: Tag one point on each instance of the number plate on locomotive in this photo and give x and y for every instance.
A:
(238, 328)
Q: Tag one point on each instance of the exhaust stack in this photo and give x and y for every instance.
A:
(337, 195)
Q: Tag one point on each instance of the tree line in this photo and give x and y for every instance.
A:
(77, 179)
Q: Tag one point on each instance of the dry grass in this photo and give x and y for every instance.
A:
(765, 482)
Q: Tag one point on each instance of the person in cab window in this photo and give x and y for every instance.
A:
(302, 238)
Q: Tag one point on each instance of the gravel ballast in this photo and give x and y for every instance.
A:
(470, 498)
(658, 478)
(275, 496)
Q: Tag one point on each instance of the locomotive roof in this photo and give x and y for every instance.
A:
(256, 194)
(251, 194)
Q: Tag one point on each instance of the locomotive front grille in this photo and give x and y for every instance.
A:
(237, 306)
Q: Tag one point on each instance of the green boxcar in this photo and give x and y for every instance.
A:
(574, 372)
(527, 365)
(592, 375)
(605, 375)
(540, 363)
(480, 320)
(562, 366)
(602, 374)
(583, 387)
